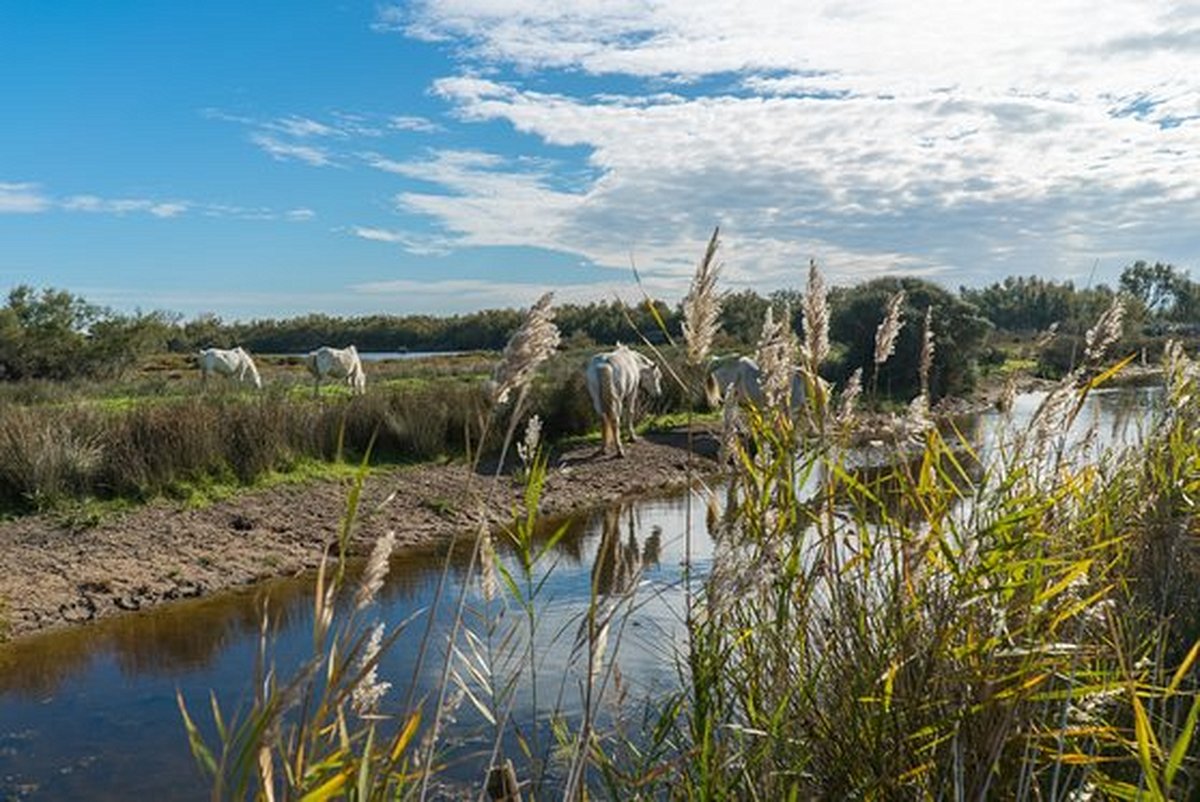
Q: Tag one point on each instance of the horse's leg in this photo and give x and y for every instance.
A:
(633, 417)
(603, 434)
(616, 426)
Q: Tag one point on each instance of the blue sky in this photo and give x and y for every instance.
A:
(267, 159)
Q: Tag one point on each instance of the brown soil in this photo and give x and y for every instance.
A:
(56, 574)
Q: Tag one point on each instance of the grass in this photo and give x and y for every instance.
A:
(106, 442)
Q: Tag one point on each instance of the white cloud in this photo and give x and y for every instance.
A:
(290, 151)
(303, 127)
(421, 245)
(965, 139)
(22, 198)
(121, 206)
(404, 122)
(28, 198)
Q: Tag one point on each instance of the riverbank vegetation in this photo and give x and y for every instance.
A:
(98, 405)
(1018, 624)
(54, 334)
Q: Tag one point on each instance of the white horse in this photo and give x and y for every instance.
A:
(740, 377)
(340, 363)
(613, 379)
(235, 363)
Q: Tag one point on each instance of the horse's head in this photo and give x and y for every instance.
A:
(650, 377)
(712, 391)
(716, 379)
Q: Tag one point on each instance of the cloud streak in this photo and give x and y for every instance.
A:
(28, 198)
(22, 198)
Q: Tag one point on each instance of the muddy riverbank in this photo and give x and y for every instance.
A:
(57, 574)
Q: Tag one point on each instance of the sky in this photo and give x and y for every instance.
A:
(267, 159)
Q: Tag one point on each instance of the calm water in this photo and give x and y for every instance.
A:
(90, 713)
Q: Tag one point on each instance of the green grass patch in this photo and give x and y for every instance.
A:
(206, 491)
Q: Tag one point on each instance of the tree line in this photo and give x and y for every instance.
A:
(54, 334)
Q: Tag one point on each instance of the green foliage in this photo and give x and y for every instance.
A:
(56, 335)
(959, 334)
(1158, 287)
(1024, 303)
(51, 455)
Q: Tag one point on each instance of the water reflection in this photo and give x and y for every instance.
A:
(162, 641)
(619, 559)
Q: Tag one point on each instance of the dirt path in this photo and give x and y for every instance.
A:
(54, 575)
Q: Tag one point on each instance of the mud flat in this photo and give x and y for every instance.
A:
(57, 575)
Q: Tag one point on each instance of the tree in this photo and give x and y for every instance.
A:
(1023, 303)
(959, 333)
(1154, 285)
(742, 315)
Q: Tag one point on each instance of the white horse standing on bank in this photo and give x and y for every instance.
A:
(613, 380)
(740, 378)
(235, 363)
(339, 363)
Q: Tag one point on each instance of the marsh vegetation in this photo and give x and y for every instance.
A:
(1019, 624)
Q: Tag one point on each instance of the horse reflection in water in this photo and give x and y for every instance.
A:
(621, 561)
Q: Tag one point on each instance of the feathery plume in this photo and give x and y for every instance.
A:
(531, 345)
(1106, 331)
(926, 363)
(889, 329)
(369, 691)
(816, 318)
(527, 448)
(701, 306)
(775, 353)
(376, 572)
(848, 400)
(731, 424)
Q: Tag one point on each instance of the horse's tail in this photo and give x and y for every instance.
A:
(253, 371)
(608, 391)
(358, 377)
(610, 417)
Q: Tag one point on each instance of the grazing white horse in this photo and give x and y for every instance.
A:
(235, 363)
(613, 379)
(340, 363)
(740, 376)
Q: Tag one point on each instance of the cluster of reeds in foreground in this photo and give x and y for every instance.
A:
(1020, 625)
